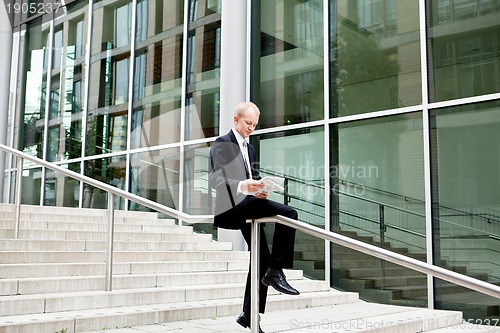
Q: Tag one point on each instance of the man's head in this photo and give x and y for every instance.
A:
(245, 119)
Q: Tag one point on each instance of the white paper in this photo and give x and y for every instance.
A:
(272, 184)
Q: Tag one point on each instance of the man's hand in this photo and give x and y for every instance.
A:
(261, 195)
(253, 186)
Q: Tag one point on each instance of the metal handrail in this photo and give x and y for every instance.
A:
(486, 216)
(408, 262)
(111, 190)
(396, 258)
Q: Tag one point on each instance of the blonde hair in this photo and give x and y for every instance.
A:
(243, 106)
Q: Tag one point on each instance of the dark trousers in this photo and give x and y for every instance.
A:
(283, 244)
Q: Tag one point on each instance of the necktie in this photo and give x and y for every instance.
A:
(246, 159)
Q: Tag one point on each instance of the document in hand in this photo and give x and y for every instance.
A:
(273, 184)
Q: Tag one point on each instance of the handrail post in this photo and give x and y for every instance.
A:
(18, 199)
(254, 280)
(109, 247)
(383, 228)
(286, 199)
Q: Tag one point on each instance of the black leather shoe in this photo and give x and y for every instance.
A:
(244, 320)
(276, 279)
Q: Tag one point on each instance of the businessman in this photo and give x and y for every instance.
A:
(235, 177)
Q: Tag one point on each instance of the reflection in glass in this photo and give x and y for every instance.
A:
(31, 186)
(376, 60)
(106, 132)
(377, 194)
(156, 123)
(155, 175)
(57, 49)
(465, 197)
(109, 78)
(33, 89)
(290, 62)
(298, 156)
(157, 16)
(199, 9)
(203, 74)
(109, 70)
(110, 170)
(464, 49)
(111, 27)
(62, 191)
(197, 194)
(157, 93)
(67, 95)
(158, 69)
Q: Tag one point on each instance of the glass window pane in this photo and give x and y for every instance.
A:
(203, 79)
(31, 187)
(157, 16)
(109, 78)
(157, 93)
(464, 49)
(33, 88)
(67, 93)
(109, 70)
(290, 62)
(466, 192)
(298, 156)
(377, 195)
(156, 123)
(197, 194)
(62, 191)
(111, 27)
(106, 132)
(110, 170)
(57, 49)
(376, 56)
(199, 9)
(155, 175)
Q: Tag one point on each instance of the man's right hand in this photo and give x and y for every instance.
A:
(251, 186)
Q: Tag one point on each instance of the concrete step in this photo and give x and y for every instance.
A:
(126, 316)
(32, 270)
(182, 288)
(370, 272)
(74, 217)
(96, 226)
(90, 245)
(31, 286)
(11, 257)
(53, 277)
(173, 234)
(36, 210)
(323, 319)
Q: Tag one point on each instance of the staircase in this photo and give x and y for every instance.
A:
(361, 273)
(52, 277)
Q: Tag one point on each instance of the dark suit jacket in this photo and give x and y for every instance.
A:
(227, 169)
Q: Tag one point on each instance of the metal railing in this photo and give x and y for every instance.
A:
(111, 191)
(396, 258)
(459, 279)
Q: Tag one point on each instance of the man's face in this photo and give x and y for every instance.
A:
(245, 125)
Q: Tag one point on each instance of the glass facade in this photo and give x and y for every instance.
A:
(382, 115)
(465, 196)
(375, 48)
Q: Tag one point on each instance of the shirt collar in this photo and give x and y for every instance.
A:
(239, 138)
